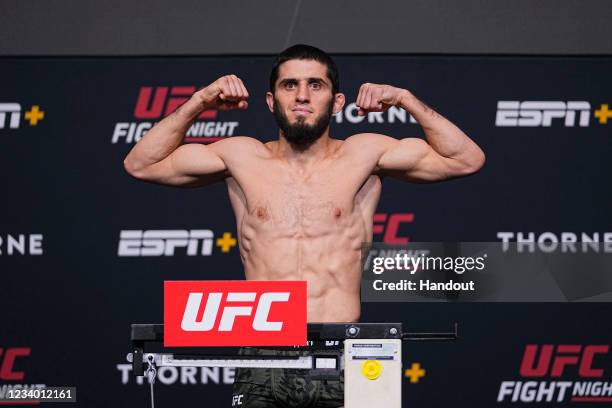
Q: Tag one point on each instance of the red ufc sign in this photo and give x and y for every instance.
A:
(388, 224)
(153, 103)
(234, 313)
(7, 363)
(553, 360)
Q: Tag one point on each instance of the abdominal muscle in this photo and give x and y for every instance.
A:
(320, 244)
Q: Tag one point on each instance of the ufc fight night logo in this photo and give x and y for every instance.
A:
(387, 225)
(13, 361)
(234, 313)
(8, 357)
(153, 103)
(561, 373)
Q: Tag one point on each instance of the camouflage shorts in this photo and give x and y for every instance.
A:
(284, 388)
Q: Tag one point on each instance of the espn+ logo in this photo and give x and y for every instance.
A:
(234, 313)
(164, 242)
(10, 115)
(12, 111)
(542, 113)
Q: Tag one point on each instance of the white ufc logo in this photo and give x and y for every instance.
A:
(229, 313)
(541, 113)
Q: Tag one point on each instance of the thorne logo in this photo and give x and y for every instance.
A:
(391, 115)
(10, 115)
(183, 375)
(235, 313)
(166, 242)
(21, 244)
(556, 361)
(153, 103)
(551, 242)
(542, 113)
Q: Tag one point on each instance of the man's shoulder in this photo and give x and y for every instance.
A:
(368, 139)
(248, 141)
(240, 144)
(371, 142)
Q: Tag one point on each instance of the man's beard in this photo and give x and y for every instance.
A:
(299, 134)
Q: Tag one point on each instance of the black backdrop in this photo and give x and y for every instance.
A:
(63, 179)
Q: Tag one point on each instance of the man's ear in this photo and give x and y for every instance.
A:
(339, 100)
(270, 101)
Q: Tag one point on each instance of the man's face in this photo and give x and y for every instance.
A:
(303, 102)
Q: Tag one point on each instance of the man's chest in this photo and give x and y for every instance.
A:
(301, 202)
(279, 195)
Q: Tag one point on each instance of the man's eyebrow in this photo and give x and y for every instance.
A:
(286, 80)
(318, 79)
(311, 79)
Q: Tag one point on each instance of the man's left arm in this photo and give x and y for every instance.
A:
(448, 152)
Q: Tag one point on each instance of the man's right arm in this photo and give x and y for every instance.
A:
(160, 157)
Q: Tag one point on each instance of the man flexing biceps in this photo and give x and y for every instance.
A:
(305, 196)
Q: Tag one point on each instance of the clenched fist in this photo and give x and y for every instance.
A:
(226, 93)
(378, 97)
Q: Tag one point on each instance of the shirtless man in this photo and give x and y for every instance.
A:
(304, 203)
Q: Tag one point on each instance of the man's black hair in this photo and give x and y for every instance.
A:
(306, 52)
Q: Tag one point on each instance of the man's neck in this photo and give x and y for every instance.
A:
(304, 157)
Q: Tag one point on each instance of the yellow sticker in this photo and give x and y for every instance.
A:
(371, 369)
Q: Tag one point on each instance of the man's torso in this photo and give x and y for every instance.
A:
(306, 222)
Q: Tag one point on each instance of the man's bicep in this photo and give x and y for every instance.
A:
(413, 159)
(190, 165)
(196, 160)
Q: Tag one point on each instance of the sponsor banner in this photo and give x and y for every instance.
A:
(547, 113)
(386, 227)
(13, 376)
(84, 248)
(21, 244)
(153, 243)
(550, 242)
(11, 117)
(188, 376)
(154, 103)
(561, 373)
(234, 313)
